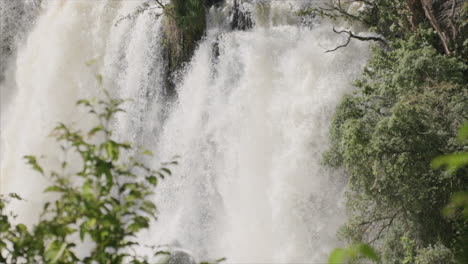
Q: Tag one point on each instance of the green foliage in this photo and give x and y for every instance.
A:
(409, 247)
(190, 14)
(454, 161)
(403, 117)
(457, 209)
(105, 202)
(406, 251)
(458, 205)
(397, 20)
(405, 112)
(353, 254)
(389, 17)
(435, 254)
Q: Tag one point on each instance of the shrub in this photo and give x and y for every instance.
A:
(105, 203)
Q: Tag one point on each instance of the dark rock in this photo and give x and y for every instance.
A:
(181, 33)
(15, 19)
(180, 257)
(241, 19)
(210, 3)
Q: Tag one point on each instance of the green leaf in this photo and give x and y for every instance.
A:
(459, 200)
(82, 231)
(93, 131)
(31, 160)
(126, 145)
(91, 62)
(152, 180)
(368, 252)
(112, 149)
(452, 162)
(166, 171)
(162, 252)
(99, 79)
(46, 206)
(54, 189)
(353, 252)
(220, 260)
(338, 256)
(103, 167)
(149, 207)
(83, 102)
(148, 153)
(88, 190)
(91, 223)
(463, 133)
(139, 222)
(21, 228)
(55, 251)
(15, 196)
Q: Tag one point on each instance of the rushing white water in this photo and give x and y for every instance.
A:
(250, 124)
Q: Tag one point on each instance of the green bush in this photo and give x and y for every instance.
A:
(105, 203)
(435, 254)
(405, 112)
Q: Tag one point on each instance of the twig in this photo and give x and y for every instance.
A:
(392, 218)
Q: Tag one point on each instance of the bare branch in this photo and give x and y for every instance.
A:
(334, 11)
(452, 20)
(430, 14)
(340, 46)
(352, 35)
(340, 10)
(160, 4)
(144, 8)
(163, 7)
(385, 226)
(140, 10)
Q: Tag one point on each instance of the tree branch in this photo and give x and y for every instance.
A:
(340, 46)
(340, 10)
(147, 7)
(352, 35)
(386, 226)
(429, 12)
(163, 7)
(160, 4)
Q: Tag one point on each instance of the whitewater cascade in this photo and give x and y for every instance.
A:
(250, 121)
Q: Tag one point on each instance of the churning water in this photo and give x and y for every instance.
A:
(250, 120)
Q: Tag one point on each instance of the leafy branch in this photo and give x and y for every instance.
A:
(106, 201)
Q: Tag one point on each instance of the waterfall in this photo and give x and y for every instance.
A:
(250, 122)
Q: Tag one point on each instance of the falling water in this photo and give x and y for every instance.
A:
(250, 121)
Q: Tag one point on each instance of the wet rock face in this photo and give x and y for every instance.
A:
(180, 257)
(16, 17)
(181, 34)
(241, 19)
(209, 3)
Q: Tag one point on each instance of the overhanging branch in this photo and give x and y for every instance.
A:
(352, 35)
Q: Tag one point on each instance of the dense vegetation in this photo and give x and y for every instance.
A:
(406, 111)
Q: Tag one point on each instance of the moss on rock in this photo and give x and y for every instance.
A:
(184, 26)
